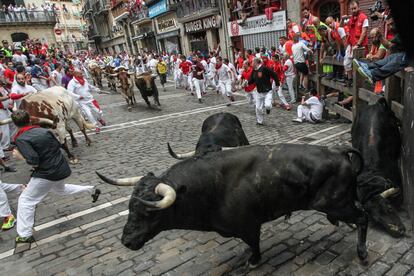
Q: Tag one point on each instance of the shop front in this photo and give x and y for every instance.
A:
(203, 34)
(257, 32)
(145, 40)
(168, 33)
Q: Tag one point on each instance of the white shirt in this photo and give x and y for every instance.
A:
(77, 90)
(20, 58)
(21, 90)
(58, 77)
(316, 107)
(232, 68)
(299, 49)
(291, 70)
(223, 73)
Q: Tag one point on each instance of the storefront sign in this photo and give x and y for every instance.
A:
(258, 24)
(211, 22)
(158, 8)
(166, 23)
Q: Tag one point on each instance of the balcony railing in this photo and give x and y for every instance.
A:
(185, 8)
(28, 17)
(141, 15)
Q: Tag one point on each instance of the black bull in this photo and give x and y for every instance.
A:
(145, 83)
(376, 135)
(234, 192)
(218, 130)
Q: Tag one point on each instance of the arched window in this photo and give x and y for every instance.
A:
(17, 37)
(331, 8)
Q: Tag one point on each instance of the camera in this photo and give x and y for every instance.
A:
(377, 7)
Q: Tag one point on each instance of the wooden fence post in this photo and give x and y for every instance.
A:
(407, 156)
(357, 82)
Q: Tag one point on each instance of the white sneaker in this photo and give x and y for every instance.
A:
(298, 120)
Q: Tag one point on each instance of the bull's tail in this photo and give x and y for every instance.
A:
(88, 125)
(355, 152)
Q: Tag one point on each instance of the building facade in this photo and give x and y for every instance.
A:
(28, 24)
(70, 26)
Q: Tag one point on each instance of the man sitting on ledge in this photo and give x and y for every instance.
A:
(310, 110)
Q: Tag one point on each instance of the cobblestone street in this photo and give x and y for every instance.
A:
(76, 237)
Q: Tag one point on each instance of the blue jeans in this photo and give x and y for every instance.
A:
(387, 66)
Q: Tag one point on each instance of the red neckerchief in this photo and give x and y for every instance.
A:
(23, 130)
(81, 80)
(218, 66)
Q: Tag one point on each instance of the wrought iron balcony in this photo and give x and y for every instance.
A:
(187, 8)
(140, 16)
(28, 18)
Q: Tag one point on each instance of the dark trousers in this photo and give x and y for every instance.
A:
(387, 66)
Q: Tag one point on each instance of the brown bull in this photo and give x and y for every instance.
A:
(127, 86)
(109, 73)
(146, 86)
(96, 74)
(57, 105)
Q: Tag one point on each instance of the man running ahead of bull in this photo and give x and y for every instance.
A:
(41, 150)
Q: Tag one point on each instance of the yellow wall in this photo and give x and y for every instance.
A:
(44, 33)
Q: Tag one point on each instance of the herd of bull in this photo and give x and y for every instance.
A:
(232, 188)
(144, 82)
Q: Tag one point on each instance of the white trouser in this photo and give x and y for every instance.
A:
(199, 87)
(289, 82)
(91, 112)
(4, 204)
(250, 96)
(190, 82)
(225, 89)
(177, 78)
(5, 129)
(34, 193)
(279, 91)
(304, 113)
(263, 100)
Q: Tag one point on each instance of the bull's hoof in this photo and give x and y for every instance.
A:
(74, 161)
(129, 108)
(75, 144)
(253, 262)
(88, 144)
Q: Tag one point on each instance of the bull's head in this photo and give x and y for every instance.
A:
(145, 78)
(384, 214)
(148, 208)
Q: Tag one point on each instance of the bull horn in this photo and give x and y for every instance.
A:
(180, 156)
(228, 148)
(45, 121)
(167, 192)
(6, 121)
(130, 181)
(389, 192)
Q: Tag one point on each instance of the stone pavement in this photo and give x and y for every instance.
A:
(76, 237)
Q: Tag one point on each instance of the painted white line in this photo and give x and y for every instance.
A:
(122, 213)
(10, 252)
(159, 118)
(314, 133)
(329, 137)
(81, 213)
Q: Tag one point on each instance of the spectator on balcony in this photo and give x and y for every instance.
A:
(246, 10)
(358, 28)
(271, 7)
(307, 18)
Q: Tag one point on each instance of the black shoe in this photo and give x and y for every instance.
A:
(95, 195)
(259, 124)
(229, 104)
(267, 111)
(200, 101)
(9, 169)
(329, 76)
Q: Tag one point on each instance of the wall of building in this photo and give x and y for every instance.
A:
(43, 33)
(293, 8)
